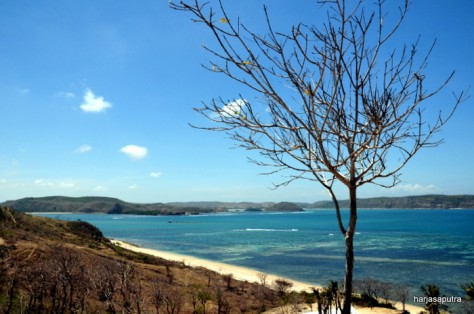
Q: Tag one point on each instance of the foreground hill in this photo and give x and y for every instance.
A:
(50, 266)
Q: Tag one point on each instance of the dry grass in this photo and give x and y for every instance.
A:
(62, 267)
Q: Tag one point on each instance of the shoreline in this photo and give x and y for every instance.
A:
(238, 272)
(247, 274)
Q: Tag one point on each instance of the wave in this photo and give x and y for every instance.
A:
(267, 230)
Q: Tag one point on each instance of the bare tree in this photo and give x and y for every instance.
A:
(69, 282)
(402, 293)
(262, 290)
(174, 299)
(169, 298)
(386, 291)
(158, 294)
(262, 278)
(369, 286)
(221, 298)
(105, 283)
(125, 276)
(341, 104)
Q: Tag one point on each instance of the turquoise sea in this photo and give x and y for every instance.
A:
(404, 246)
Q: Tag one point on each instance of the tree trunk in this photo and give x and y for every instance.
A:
(350, 251)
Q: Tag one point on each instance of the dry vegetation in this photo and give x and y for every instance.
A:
(49, 266)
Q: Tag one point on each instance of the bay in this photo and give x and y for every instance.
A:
(403, 246)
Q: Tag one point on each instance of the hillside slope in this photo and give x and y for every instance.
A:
(49, 266)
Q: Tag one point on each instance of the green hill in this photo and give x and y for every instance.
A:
(284, 206)
(422, 201)
(98, 205)
(109, 205)
(115, 206)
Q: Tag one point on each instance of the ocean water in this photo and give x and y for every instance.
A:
(403, 246)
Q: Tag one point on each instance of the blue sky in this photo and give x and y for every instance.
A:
(96, 97)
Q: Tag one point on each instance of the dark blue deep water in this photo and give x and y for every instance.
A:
(404, 246)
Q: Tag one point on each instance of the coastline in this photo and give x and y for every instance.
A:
(248, 274)
(238, 272)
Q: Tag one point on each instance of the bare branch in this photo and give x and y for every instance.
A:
(336, 107)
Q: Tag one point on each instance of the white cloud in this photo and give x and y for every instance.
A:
(133, 186)
(155, 174)
(52, 184)
(135, 152)
(232, 108)
(84, 149)
(100, 188)
(43, 183)
(416, 188)
(94, 103)
(67, 185)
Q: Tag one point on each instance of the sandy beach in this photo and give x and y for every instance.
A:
(239, 273)
(247, 274)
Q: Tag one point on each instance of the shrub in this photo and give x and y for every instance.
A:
(85, 229)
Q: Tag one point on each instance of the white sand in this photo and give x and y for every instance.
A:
(238, 272)
(378, 310)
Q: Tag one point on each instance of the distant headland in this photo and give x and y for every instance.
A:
(93, 204)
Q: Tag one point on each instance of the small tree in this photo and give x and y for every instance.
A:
(105, 283)
(203, 296)
(341, 104)
(221, 298)
(309, 298)
(228, 280)
(333, 286)
(125, 276)
(469, 288)
(282, 286)
(262, 278)
(386, 291)
(431, 291)
(262, 290)
(401, 293)
(174, 299)
(468, 302)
